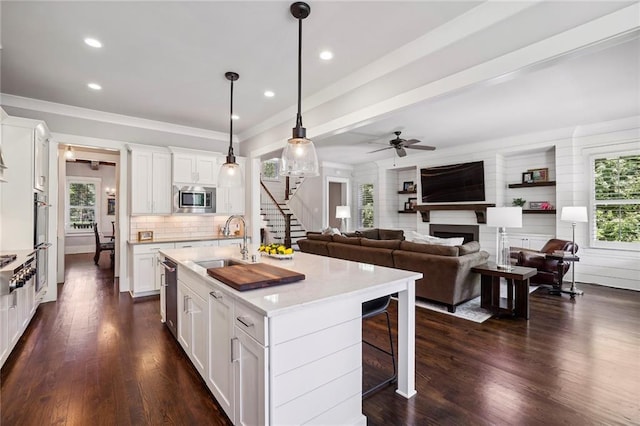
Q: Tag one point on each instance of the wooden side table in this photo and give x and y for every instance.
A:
(517, 279)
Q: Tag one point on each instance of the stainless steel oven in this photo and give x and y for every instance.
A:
(41, 239)
(194, 199)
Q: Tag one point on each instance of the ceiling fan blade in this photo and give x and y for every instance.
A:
(401, 152)
(422, 147)
(381, 149)
(410, 142)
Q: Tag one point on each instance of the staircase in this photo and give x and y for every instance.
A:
(275, 211)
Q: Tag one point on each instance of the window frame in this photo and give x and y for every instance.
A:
(361, 206)
(593, 203)
(98, 211)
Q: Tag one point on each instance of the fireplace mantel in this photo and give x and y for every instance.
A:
(479, 209)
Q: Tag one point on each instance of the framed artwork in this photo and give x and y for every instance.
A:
(537, 205)
(527, 177)
(413, 202)
(111, 206)
(539, 175)
(408, 186)
(145, 235)
(407, 206)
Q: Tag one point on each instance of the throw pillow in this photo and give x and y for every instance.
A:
(331, 231)
(368, 233)
(346, 240)
(430, 239)
(470, 247)
(435, 249)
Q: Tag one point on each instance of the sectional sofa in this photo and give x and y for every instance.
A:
(447, 276)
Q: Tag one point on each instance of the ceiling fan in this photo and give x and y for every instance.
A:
(400, 144)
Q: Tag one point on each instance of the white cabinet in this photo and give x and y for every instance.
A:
(16, 311)
(193, 328)
(232, 241)
(144, 266)
(221, 331)
(190, 167)
(250, 368)
(150, 182)
(40, 158)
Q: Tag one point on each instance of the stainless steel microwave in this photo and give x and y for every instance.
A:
(194, 199)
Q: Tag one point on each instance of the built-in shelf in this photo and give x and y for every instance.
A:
(479, 209)
(407, 192)
(532, 184)
(539, 211)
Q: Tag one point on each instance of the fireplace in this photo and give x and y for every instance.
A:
(468, 232)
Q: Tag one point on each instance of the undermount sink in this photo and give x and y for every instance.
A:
(218, 263)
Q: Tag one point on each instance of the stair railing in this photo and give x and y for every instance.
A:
(275, 213)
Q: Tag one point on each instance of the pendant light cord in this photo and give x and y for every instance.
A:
(231, 122)
(299, 116)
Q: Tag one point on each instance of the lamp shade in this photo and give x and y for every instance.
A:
(574, 214)
(343, 212)
(504, 217)
(230, 176)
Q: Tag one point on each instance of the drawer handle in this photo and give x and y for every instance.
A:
(246, 321)
(216, 294)
(233, 358)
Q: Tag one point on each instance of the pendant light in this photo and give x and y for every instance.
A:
(230, 175)
(299, 155)
(69, 155)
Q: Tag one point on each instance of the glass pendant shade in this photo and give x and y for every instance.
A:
(299, 158)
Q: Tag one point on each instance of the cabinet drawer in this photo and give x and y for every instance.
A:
(251, 322)
(151, 248)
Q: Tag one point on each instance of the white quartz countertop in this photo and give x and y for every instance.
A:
(21, 257)
(183, 239)
(326, 278)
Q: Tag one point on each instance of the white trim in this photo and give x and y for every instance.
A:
(325, 201)
(108, 117)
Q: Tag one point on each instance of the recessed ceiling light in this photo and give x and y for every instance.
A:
(93, 42)
(269, 94)
(94, 86)
(235, 117)
(326, 55)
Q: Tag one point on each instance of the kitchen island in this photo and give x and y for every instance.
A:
(292, 353)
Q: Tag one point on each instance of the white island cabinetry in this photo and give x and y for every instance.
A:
(292, 354)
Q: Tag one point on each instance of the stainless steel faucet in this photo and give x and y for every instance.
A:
(244, 251)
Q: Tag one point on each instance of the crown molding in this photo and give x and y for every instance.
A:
(108, 117)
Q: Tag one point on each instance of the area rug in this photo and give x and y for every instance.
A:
(469, 310)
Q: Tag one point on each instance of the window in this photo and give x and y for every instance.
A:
(616, 201)
(365, 205)
(270, 169)
(82, 201)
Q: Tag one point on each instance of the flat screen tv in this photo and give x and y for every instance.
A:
(456, 182)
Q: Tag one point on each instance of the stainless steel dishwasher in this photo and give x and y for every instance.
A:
(171, 296)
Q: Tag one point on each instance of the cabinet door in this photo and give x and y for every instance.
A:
(40, 158)
(199, 311)
(184, 319)
(141, 182)
(161, 183)
(250, 369)
(184, 168)
(144, 272)
(207, 168)
(221, 325)
(5, 301)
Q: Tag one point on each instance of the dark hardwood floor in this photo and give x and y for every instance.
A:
(97, 357)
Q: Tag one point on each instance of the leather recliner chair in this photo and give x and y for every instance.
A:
(547, 268)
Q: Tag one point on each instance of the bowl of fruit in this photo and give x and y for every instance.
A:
(276, 250)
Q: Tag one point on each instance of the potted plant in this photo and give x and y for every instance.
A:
(519, 202)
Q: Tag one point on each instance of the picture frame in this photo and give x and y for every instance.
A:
(527, 177)
(413, 202)
(145, 235)
(539, 175)
(408, 186)
(407, 206)
(536, 205)
(111, 206)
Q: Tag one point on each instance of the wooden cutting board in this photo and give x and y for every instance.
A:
(254, 275)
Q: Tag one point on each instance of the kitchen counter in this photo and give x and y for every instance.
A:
(299, 345)
(183, 239)
(21, 257)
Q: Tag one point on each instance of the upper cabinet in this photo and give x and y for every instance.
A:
(198, 168)
(40, 158)
(150, 182)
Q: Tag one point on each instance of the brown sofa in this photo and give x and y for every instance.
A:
(447, 276)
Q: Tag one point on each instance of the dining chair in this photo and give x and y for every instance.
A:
(102, 246)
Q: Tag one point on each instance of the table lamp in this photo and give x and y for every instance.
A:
(503, 218)
(574, 214)
(342, 213)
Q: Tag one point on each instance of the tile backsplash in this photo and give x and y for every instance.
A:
(186, 226)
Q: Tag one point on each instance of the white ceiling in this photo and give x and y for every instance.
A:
(165, 61)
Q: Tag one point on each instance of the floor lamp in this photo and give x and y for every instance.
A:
(574, 215)
(343, 213)
(503, 218)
